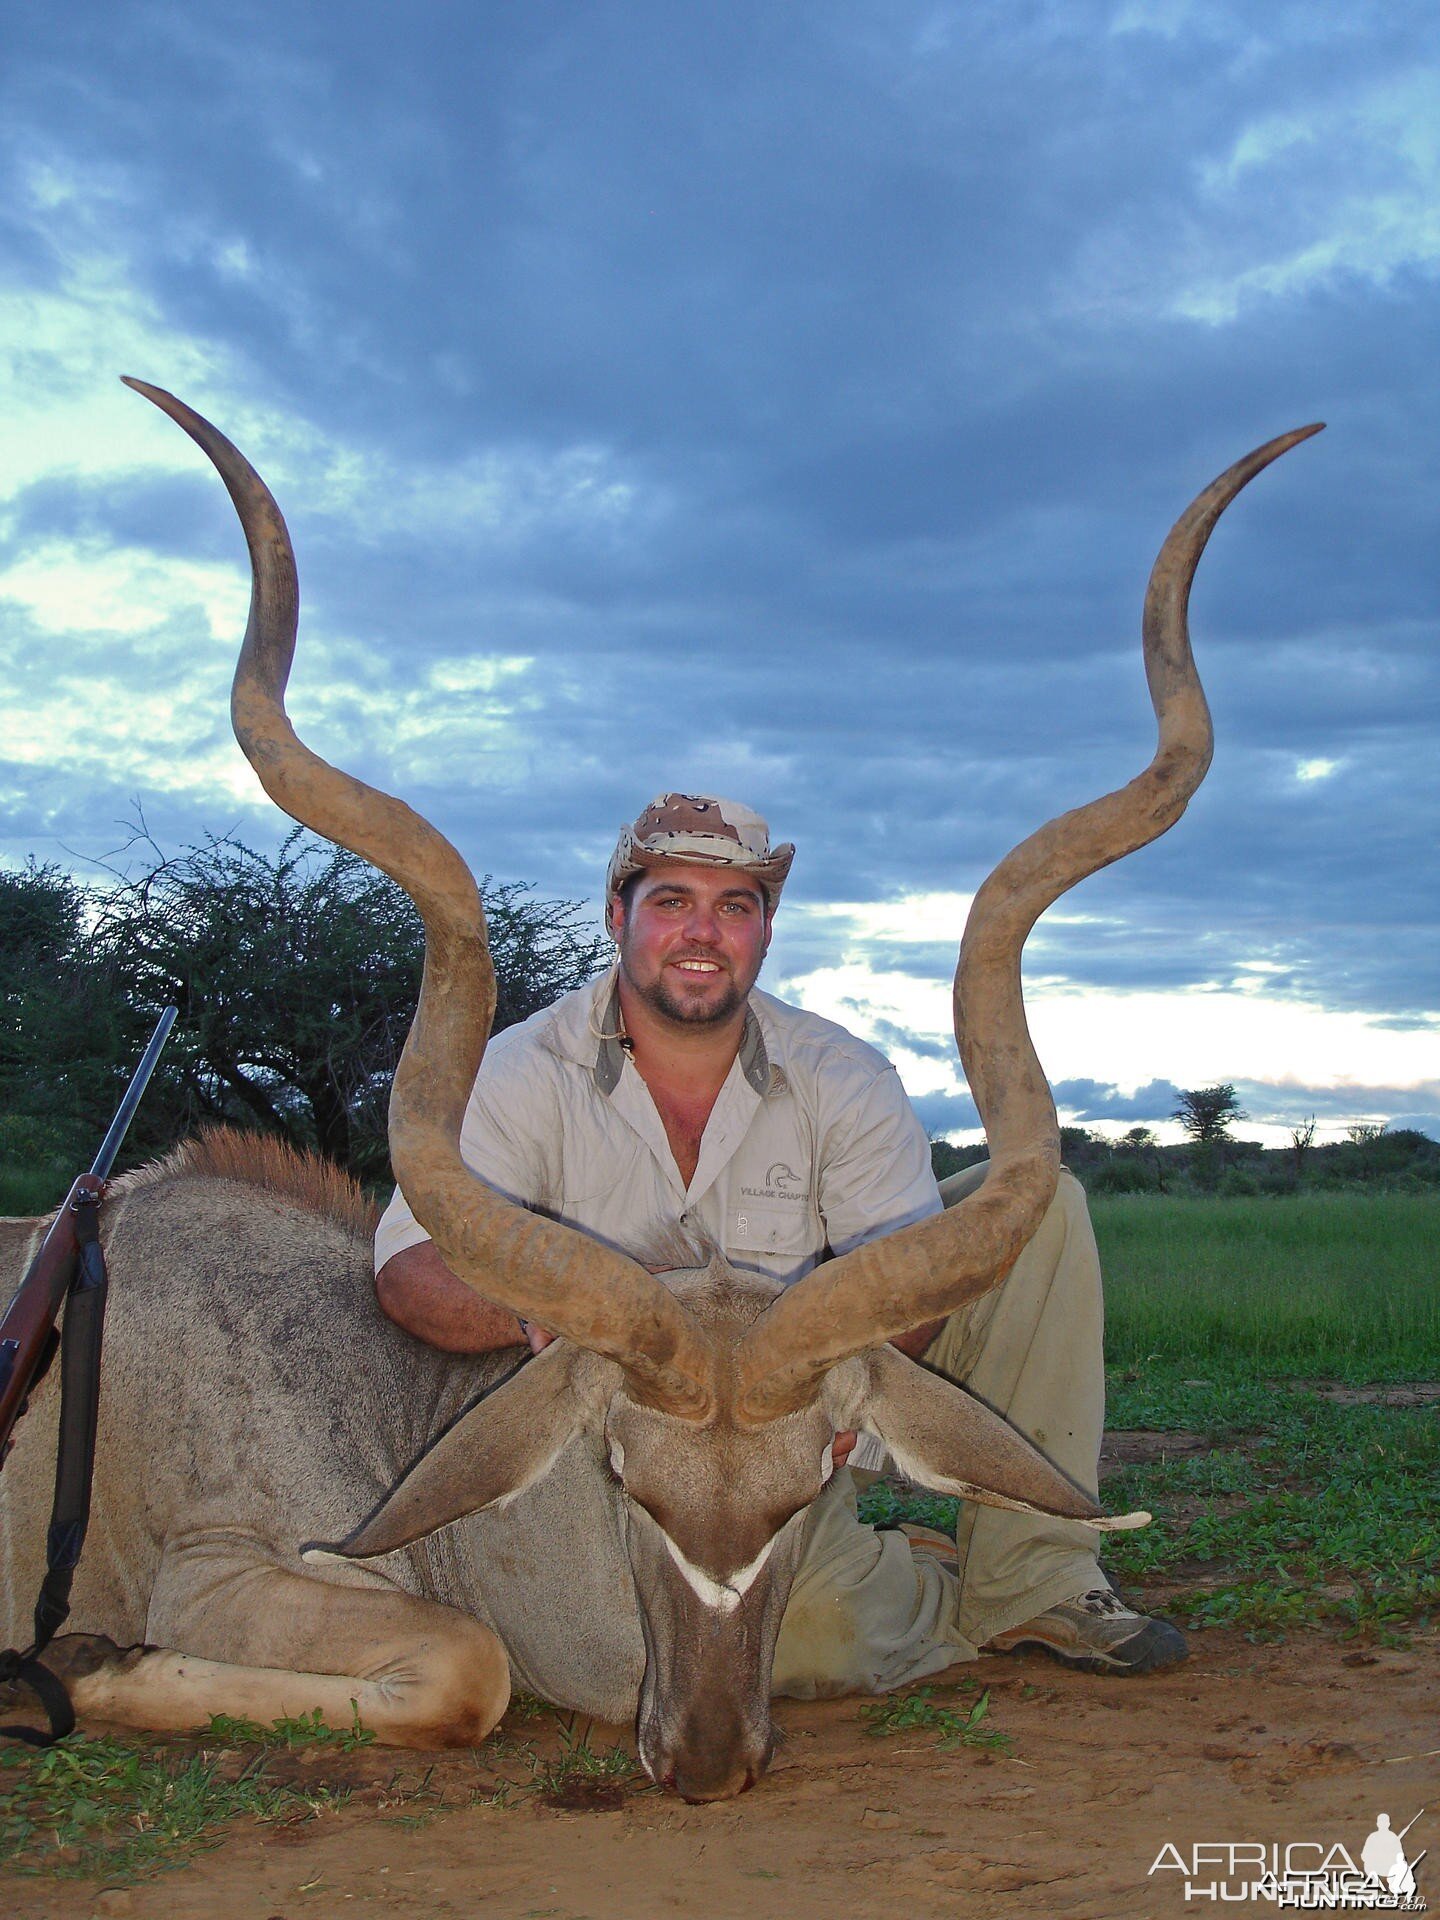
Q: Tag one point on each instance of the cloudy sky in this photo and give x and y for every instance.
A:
(782, 400)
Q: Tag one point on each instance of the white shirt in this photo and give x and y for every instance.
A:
(811, 1145)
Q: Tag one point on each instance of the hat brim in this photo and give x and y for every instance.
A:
(770, 874)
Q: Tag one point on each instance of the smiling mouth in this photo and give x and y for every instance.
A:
(702, 968)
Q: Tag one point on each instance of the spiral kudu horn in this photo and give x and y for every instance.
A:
(890, 1285)
(542, 1270)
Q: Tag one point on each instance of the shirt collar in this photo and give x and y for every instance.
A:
(609, 1031)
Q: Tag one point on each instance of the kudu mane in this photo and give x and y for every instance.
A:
(262, 1160)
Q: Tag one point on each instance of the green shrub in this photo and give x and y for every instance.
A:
(1122, 1174)
(37, 1168)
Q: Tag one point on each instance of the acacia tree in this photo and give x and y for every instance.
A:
(296, 975)
(1206, 1113)
(63, 1035)
(41, 913)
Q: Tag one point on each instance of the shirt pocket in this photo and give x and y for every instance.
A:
(758, 1228)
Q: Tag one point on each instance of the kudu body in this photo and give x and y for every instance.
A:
(620, 1522)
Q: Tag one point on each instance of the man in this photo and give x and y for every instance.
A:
(672, 1093)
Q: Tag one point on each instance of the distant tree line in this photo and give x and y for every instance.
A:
(296, 974)
(1213, 1161)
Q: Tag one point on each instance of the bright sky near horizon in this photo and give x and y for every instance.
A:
(780, 402)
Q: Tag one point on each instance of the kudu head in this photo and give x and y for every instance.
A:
(714, 1394)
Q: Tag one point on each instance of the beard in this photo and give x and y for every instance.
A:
(679, 1006)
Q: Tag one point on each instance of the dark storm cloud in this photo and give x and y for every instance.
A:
(180, 517)
(906, 332)
(942, 1114)
(888, 1037)
(1092, 1100)
(1288, 1104)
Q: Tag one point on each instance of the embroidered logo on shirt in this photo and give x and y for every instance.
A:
(781, 1183)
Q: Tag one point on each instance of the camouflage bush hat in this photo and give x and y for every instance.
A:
(699, 827)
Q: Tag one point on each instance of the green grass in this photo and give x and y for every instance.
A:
(28, 1190)
(1309, 1283)
(104, 1809)
(580, 1776)
(295, 1730)
(919, 1712)
(1306, 1511)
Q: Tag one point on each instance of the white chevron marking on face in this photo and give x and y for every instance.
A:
(724, 1595)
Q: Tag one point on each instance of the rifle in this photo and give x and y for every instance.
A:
(27, 1327)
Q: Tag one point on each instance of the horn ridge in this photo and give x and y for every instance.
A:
(539, 1268)
(928, 1270)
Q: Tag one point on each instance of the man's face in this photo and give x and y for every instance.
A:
(692, 940)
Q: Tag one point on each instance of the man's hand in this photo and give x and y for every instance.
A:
(912, 1344)
(538, 1337)
(418, 1291)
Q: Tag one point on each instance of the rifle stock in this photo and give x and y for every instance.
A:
(26, 1324)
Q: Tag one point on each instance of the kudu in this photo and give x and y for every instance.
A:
(631, 1504)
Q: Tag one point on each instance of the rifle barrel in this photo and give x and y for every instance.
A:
(125, 1113)
(27, 1322)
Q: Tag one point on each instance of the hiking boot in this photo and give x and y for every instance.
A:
(928, 1543)
(1096, 1633)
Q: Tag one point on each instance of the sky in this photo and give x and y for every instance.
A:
(784, 402)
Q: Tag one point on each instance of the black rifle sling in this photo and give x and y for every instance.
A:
(80, 1342)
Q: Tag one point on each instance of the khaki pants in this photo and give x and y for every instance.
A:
(867, 1616)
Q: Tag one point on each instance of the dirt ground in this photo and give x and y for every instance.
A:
(1302, 1741)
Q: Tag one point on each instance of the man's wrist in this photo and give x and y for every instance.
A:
(914, 1343)
(419, 1293)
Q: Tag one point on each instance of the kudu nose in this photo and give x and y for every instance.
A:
(697, 1791)
(698, 1775)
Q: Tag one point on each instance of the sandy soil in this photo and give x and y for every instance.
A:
(1303, 1741)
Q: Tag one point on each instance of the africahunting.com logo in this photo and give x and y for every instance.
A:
(1308, 1876)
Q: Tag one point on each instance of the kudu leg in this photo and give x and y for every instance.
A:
(263, 1643)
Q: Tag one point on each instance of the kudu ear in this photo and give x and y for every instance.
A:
(944, 1438)
(490, 1455)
